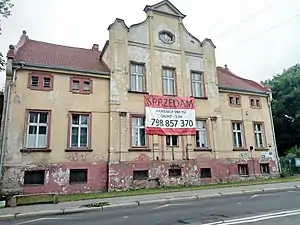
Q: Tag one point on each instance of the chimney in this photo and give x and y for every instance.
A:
(95, 47)
(225, 66)
(11, 52)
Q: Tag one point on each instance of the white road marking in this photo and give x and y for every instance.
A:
(125, 217)
(39, 219)
(252, 219)
(263, 195)
(166, 205)
(254, 196)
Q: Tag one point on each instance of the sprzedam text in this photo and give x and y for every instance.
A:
(171, 123)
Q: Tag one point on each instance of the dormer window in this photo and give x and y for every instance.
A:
(166, 37)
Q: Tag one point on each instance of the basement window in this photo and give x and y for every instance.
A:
(140, 174)
(264, 168)
(243, 169)
(175, 172)
(205, 173)
(34, 177)
(78, 176)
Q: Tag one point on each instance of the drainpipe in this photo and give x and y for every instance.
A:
(273, 132)
(6, 103)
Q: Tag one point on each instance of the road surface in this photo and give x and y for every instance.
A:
(282, 208)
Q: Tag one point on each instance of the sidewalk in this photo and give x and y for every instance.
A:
(154, 197)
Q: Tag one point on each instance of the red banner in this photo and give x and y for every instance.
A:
(170, 115)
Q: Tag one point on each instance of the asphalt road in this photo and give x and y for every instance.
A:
(282, 208)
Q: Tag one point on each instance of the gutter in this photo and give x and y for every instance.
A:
(7, 112)
(273, 132)
(242, 90)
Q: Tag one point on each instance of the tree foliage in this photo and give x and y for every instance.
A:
(5, 11)
(286, 108)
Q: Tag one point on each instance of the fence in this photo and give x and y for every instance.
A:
(290, 166)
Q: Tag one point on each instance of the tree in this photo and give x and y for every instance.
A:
(5, 11)
(286, 108)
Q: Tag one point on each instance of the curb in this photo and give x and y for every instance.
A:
(146, 202)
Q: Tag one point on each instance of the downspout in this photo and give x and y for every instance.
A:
(7, 112)
(273, 132)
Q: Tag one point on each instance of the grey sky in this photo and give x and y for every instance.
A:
(255, 38)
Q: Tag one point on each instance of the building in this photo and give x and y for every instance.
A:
(74, 119)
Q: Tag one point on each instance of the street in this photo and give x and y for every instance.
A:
(281, 208)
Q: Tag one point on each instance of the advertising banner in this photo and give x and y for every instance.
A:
(170, 115)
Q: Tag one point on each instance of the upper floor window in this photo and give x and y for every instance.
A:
(172, 140)
(80, 125)
(197, 84)
(138, 132)
(40, 82)
(81, 85)
(259, 135)
(234, 100)
(255, 102)
(166, 37)
(38, 129)
(201, 134)
(238, 135)
(169, 83)
(137, 77)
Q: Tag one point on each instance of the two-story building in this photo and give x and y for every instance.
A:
(74, 118)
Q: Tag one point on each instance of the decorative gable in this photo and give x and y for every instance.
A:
(165, 7)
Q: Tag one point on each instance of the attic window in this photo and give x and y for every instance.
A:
(81, 85)
(234, 100)
(255, 103)
(40, 82)
(166, 37)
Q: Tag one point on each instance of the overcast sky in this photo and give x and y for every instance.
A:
(255, 38)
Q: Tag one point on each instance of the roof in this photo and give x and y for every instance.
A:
(58, 56)
(42, 54)
(228, 80)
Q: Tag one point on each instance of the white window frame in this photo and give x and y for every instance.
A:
(37, 125)
(171, 141)
(236, 131)
(203, 130)
(258, 132)
(136, 126)
(79, 126)
(136, 76)
(198, 84)
(170, 81)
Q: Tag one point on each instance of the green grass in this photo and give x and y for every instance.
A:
(113, 194)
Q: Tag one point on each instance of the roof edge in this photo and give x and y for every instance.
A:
(244, 90)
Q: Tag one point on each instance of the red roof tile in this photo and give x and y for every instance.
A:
(227, 79)
(52, 55)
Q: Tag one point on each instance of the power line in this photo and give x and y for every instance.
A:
(249, 18)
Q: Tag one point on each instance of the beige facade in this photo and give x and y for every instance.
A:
(157, 56)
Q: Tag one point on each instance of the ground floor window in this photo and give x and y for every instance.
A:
(205, 173)
(243, 169)
(264, 168)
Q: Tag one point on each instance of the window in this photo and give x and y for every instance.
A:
(259, 135)
(238, 135)
(205, 173)
(137, 77)
(138, 134)
(172, 140)
(243, 169)
(166, 37)
(197, 84)
(81, 85)
(78, 176)
(34, 177)
(234, 100)
(80, 124)
(169, 81)
(140, 174)
(40, 82)
(264, 168)
(38, 129)
(201, 137)
(255, 103)
(175, 172)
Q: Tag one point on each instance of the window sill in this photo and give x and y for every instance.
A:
(81, 92)
(33, 185)
(174, 146)
(74, 183)
(253, 107)
(244, 175)
(203, 98)
(40, 89)
(237, 106)
(138, 92)
(141, 149)
(28, 150)
(261, 149)
(78, 150)
(202, 149)
(240, 149)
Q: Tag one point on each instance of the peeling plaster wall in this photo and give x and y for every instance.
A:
(60, 101)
